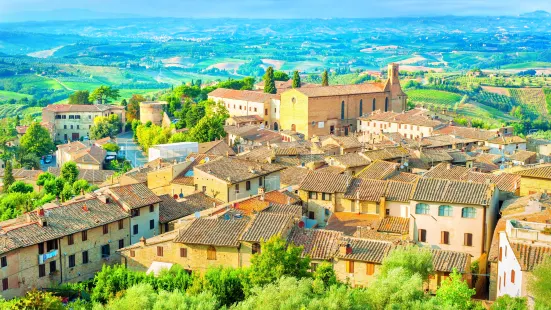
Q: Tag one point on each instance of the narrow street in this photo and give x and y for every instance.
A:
(130, 150)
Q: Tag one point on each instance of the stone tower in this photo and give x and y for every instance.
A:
(398, 98)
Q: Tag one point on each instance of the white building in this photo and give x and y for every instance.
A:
(522, 246)
(173, 151)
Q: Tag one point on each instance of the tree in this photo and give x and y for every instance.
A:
(540, 284)
(44, 177)
(454, 293)
(324, 78)
(37, 140)
(38, 300)
(20, 187)
(66, 193)
(111, 147)
(507, 302)
(413, 260)
(103, 93)
(55, 186)
(133, 107)
(124, 103)
(105, 126)
(296, 80)
(276, 260)
(80, 97)
(8, 176)
(69, 172)
(325, 273)
(269, 82)
(281, 76)
(80, 186)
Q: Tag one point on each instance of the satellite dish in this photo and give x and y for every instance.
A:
(406, 164)
(502, 167)
(175, 196)
(207, 159)
(197, 214)
(181, 195)
(227, 217)
(301, 224)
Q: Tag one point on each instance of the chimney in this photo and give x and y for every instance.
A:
(261, 193)
(142, 241)
(41, 218)
(345, 248)
(85, 208)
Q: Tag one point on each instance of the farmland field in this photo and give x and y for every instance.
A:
(7, 95)
(432, 96)
(530, 96)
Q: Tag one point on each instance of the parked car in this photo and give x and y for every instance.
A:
(48, 159)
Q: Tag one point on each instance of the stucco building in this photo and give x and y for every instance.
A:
(73, 121)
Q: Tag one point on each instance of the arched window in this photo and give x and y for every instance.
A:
(445, 211)
(386, 104)
(256, 248)
(422, 208)
(342, 109)
(469, 212)
(373, 104)
(361, 107)
(211, 253)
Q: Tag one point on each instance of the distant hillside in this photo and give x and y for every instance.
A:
(537, 14)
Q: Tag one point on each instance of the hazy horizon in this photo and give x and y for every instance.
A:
(30, 10)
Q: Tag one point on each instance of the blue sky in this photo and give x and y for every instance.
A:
(280, 8)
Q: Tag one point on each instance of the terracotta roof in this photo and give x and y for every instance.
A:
(387, 153)
(62, 220)
(170, 209)
(416, 117)
(468, 132)
(290, 150)
(72, 147)
(265, 225)
(317, 243)
(293, 175)
(394, 225)
(435, 155)
(186, 176)
(90, 175)
(261, 154)
(325, 182)
(540, 172)
(103, 141)
(214, 231)
(447, 261)
(346, 142)
(399, 191)
(460, 156)
(219, 147)
(241, 119)
(135, 195)
(294, 210)
(371, 251)
(232, 170)
(24, 174)
(279, 197)
(299, 160)
(331, 169)
(81, 107)
(446, 171)
(93, 155)
(530, 255)
(348, 222)
(245, 95)
(349, 160)
(438, 190)
(366, 190)
(523, 156)
(251, 205)
(505, 140)
(378, 170)
(341, 90)
(404, 177)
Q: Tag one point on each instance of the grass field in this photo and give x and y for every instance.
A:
(7, 95)
(528, 65)
(432, 96)
(12, 110)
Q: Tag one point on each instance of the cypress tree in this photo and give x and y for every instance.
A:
(269, 82)
(324, 78)
(296, 80)
(8, 176)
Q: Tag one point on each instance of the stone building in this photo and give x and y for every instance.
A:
(335, 109)
(154, 112)
(73, 121)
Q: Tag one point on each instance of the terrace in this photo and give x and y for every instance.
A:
(530, 231)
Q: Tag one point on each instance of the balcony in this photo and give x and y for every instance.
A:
(538, 232)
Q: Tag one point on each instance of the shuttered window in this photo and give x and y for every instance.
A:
(183, 252)
(422, 235)
(370, 268)
(468, 239)
(160, 251)
(445, 237)
(211, 253)
(350, 266)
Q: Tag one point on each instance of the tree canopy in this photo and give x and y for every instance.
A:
(540, 284)
(281, 76)
(8, 179)
(269, 81)
(80, 97)
(103, 93)
(105, 126)
(296, 80)
(37, 140)
(133, 107)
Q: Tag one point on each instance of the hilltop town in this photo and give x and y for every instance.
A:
(350, 174)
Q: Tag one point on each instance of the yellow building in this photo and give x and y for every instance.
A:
(335, 109)
(535, 180)
(73, 121)
(61, 243)
(229, 178)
